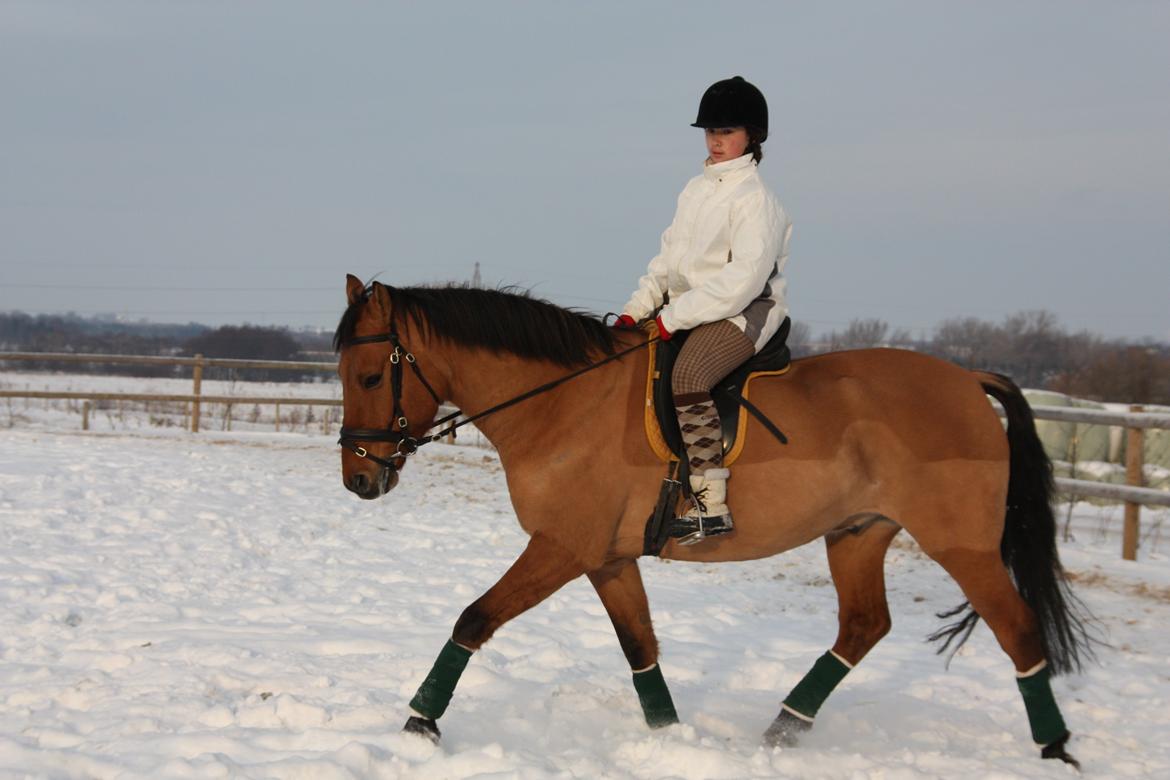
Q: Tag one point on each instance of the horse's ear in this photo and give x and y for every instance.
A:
(353, 288)
(380, 298)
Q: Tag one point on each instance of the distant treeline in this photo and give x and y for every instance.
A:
(52, 333)
(1030, 347)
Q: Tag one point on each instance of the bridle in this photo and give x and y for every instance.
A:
(407, 445)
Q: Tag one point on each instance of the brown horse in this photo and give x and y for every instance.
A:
(878, 441)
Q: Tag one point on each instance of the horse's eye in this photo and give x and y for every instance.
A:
(372, 381)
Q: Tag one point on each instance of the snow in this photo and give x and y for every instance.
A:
(217, 605)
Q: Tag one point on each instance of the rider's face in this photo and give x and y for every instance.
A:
(726, 143)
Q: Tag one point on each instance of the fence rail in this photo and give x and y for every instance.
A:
(197, 361)
(1135, 421)
(207, 399)
(197, 364)
(1134, 493)
(1130, 419)
(1087, 487)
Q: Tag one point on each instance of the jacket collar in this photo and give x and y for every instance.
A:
(719, 171)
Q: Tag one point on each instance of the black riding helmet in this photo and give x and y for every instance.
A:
(734, 102)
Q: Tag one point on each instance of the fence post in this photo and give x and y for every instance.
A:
(197, 373)
(85, 416)
(278, 418)
(1133, 476)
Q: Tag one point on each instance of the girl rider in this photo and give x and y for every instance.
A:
(718, 274)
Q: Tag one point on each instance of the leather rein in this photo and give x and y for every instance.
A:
(407, 445)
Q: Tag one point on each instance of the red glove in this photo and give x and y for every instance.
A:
(663, 333)
(625, 322)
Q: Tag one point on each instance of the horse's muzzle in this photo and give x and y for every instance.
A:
(369, 488)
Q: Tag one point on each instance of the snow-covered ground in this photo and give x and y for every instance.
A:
(217, 605)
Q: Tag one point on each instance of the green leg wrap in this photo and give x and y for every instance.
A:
(1043, 714)
(435, 693)
(810, 693)
(657, 705)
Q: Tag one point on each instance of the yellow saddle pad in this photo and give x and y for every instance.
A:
(654, 431)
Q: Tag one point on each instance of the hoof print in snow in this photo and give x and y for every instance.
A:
(424, 727)
(1056, 750)
(785, 731)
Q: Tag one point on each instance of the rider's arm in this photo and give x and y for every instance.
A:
(653, 285)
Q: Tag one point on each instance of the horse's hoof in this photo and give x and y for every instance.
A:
(785, 731)
(424, 727)
(1056, 750)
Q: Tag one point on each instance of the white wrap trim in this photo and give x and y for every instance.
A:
(842, 660)
(1038, 667)
(800, 715)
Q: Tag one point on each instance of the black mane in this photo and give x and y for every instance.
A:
(505, 320)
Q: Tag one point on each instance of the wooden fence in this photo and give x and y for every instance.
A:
(1133, 493)
(198, 363)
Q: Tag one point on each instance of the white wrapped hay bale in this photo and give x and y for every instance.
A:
(1056, 436)
(1092, 442)
(1156, 444)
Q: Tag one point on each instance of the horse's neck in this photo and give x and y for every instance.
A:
(481, 379)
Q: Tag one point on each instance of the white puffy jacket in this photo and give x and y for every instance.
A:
(722, 257)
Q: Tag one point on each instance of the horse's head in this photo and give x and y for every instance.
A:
(387, 403)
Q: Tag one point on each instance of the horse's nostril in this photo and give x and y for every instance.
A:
(358, 483)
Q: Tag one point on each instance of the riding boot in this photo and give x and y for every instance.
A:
(708, 514)
(703, 439)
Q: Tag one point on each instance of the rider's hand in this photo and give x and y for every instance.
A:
(663, 333)
(625, 322)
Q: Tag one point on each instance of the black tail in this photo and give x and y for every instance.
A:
(1028, 546)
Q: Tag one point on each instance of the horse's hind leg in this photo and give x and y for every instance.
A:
(540, 571)
(988, 587)
(856, 559)
(619, 584)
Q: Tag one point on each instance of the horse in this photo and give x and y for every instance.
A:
(878, 440)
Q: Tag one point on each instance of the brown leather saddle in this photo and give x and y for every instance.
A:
(665, 438)
(730, 395)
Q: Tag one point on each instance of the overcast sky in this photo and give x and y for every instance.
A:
(229, 162)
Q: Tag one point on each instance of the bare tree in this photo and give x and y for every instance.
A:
(967, 341)
(1129, 373)
(1034, 346)
(861, 334)
(901, 337)
(799, 338)
(249, 342)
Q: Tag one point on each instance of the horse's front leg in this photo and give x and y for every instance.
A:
(619, 584)
(540, 571)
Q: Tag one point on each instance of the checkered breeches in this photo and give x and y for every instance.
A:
(712, 352)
